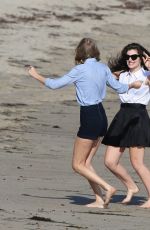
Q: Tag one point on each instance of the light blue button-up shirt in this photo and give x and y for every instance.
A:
(90, 80)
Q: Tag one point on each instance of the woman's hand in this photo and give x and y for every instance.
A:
(135, 84)
(32, 72)
(146, 59)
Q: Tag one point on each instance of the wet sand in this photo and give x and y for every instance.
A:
(39, 190)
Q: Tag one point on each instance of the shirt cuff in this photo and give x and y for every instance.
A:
(46, 82)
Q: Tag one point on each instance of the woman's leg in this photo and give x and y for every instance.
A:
(137, 160)
(99, 202)
(82, 150)
(112, 157)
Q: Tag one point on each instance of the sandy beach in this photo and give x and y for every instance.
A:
(39, 190)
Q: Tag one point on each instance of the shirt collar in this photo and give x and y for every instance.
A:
(137, 73)
(90, 60)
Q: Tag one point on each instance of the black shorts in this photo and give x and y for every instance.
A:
(93, 122)
(130, 127)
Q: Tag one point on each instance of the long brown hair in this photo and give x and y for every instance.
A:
(86, 48)
(119, 63)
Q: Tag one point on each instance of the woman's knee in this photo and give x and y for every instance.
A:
(76, 167)
(136, 157)
(137, 165)
(110, 164)
(112, 157)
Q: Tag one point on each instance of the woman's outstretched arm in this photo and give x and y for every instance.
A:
(32, 71)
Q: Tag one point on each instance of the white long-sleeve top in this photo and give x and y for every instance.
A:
(141, 95)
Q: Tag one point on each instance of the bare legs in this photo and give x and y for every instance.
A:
(137, 160)
(99, 202)
(112, 158)
(84, 150)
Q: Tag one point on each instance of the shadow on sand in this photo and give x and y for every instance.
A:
(80, 200)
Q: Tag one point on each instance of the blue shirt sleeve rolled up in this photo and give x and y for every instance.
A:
(90, 80)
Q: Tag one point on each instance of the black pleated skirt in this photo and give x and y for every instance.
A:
(129, 128)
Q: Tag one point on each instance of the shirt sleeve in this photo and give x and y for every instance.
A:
(65, 80)
(115, 84)
(147, 73)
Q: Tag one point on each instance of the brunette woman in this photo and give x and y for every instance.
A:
(130, 127)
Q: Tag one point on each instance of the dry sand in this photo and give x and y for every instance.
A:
(38, 188)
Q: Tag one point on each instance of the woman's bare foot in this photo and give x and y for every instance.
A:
(108, 195)
(146, 204)
(129, 196)
(96, 204)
